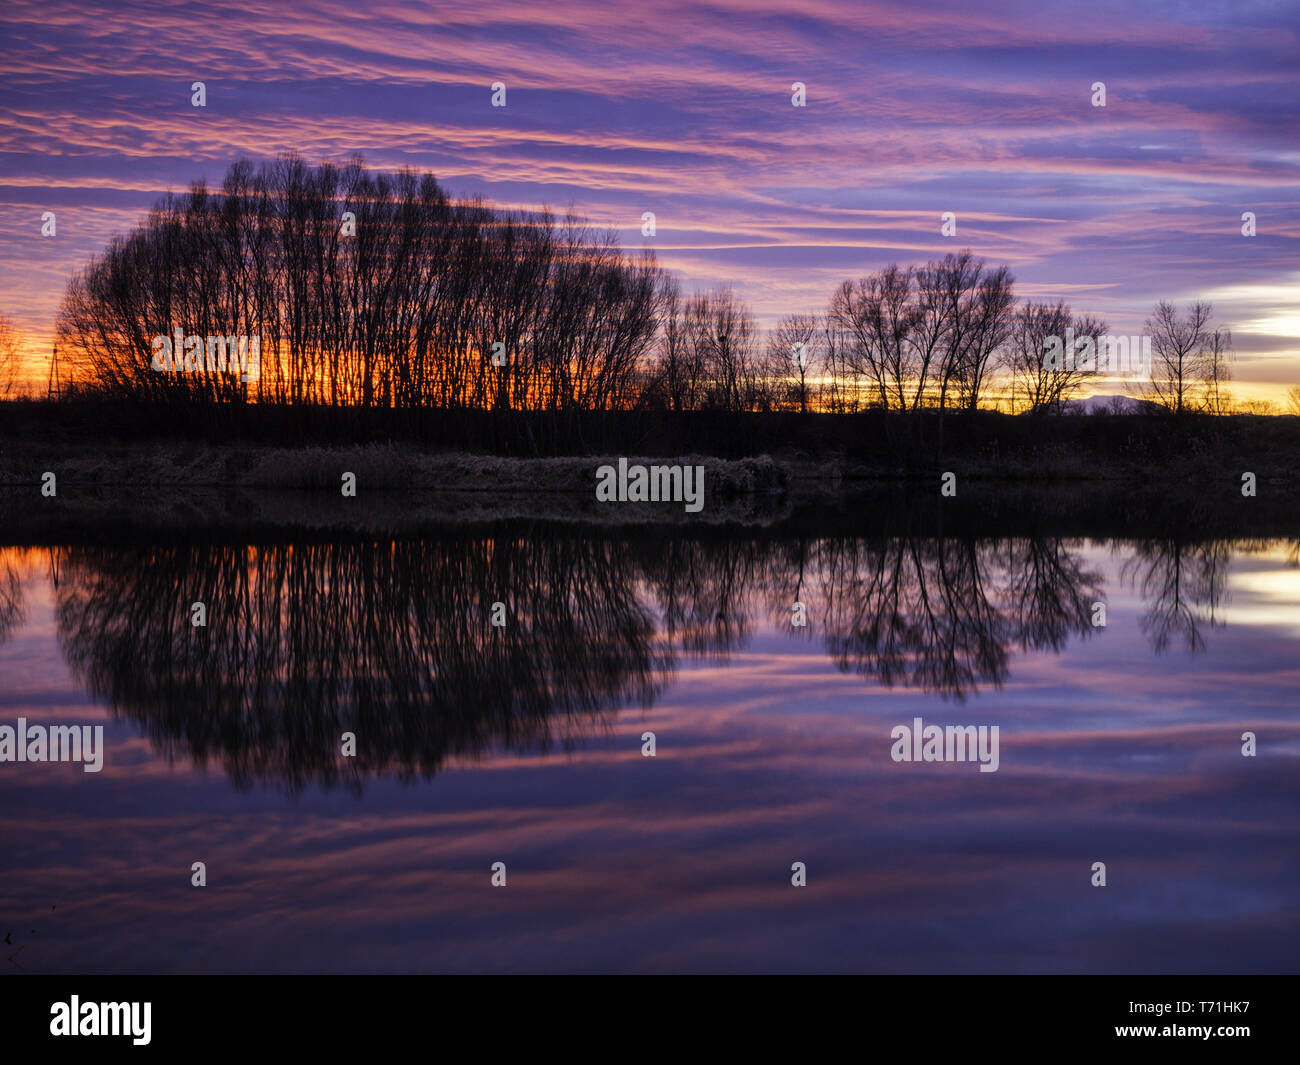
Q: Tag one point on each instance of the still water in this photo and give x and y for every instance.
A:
(522, 743)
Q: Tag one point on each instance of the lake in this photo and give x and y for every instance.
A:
(517, 734)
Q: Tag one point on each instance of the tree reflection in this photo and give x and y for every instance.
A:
(394, 641)
(390, 641)
(12, 610)
(1183, 584)
(938, 614)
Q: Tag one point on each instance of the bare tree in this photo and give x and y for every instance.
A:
(1293, 399)
(975, 310)
(841, 387)
(721, 337)
(413, 301)
(853, 316)
(887, 336)
(1188, 358)
(917, 336)
(1216, 370)
(794, 361)
(982, 323)
(11, 358)
(681, 364)
(1039, 385)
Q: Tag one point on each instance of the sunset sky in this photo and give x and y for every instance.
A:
(614, 109)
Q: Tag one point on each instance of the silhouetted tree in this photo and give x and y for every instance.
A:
(794, 361)
(11, 357)
(366, 290)
(1189, 359)
(1037, 386)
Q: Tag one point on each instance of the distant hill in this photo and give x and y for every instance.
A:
(1116, 404)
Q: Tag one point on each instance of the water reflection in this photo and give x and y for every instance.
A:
(394, 641)
(937, 614)
(11, 596)
(1183, 585)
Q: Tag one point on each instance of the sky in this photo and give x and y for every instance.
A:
(912, 109)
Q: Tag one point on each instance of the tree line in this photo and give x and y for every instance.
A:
(377, 290)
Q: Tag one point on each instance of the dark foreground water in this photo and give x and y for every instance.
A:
(523, 745)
